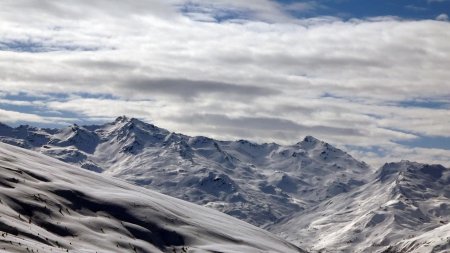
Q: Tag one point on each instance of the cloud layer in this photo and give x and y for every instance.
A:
(259, 73)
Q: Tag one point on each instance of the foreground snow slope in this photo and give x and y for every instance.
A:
(258, 183)
(50, 206)
(404, 208)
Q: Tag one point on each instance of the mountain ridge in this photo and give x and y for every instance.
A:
(305, 190)
(394, 212)
(259, 183)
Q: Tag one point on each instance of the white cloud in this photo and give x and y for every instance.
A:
(13, 117)
(395, 153)
(340, 81)
(303, 6)
(442, 17)
(264, 10)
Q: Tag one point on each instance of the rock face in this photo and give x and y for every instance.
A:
(50, 206)
(258, 183)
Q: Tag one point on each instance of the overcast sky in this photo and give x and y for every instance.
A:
(371, 77)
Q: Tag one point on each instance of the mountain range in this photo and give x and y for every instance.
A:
(311, 193)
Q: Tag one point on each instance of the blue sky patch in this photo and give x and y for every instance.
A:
(440, 142)
(347, 9)
(369, 149)
(427, 103)
(39, 47)
(344, 9)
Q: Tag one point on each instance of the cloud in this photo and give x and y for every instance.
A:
(48, 11)
(14, 118)
(415, 7)
(256, 73)
(264, 124)
(396, 153)
(191, 89)
(218, 10)
(302, 7)
(442, 17)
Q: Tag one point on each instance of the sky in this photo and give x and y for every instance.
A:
(371, 77)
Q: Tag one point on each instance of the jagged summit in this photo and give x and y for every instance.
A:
(392, 169)
(124, 122)
(126, 119)
(311, 139)
(408, 168)
(310, 142)
(76, 136)
(122, 119)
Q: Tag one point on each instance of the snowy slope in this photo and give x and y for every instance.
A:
(405, 208)
(436, 240)
(258, 183)
(50, 206)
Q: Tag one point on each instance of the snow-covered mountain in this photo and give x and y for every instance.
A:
(50, 206)
(404, 208)
(435, 240)
(258, 183)
(310, 193)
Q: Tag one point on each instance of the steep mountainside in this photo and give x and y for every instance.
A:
(406, 202)
(258, 183)
(50, 206)
(435, 240)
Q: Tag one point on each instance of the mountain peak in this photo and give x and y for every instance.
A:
(388, 170)
(393, 169)
(72, 129)
(122, 119)
(311, 139)
(124, 122)
(308, 140)
(127, 121)
(4, 126)
(75, 127)
(312, 142)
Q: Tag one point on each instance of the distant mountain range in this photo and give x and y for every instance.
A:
(311, 193)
